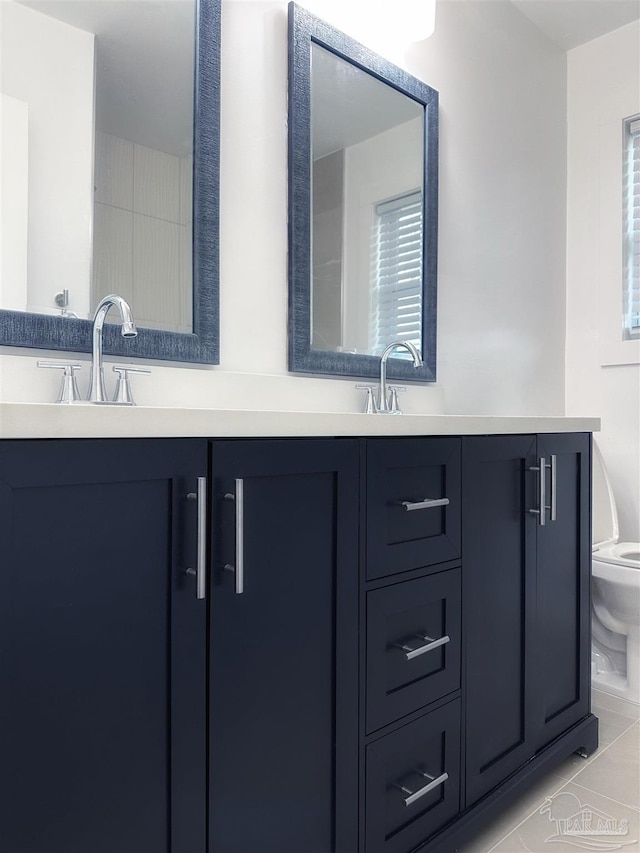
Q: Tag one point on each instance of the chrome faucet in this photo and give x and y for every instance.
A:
(382, 403)
(97, 390)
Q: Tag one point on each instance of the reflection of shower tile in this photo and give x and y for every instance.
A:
(327, 236)
(186, 190)
(186, 278)
(112, 252)
(156, 263)
(156, 183)
(114, 171)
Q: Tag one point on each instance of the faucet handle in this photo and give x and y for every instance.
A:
(68, 392)
(371, 406)
(394, 406)
(123, 394)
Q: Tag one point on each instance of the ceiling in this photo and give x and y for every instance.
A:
(144, 66)
(570, 23)
(145, 57)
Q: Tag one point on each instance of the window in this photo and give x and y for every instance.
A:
(632, 228)
(396, 311)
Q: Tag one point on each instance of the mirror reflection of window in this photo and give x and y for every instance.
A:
(367, 148)
(396, 295)
(631, 288)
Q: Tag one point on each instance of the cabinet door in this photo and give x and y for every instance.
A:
(283, 654)
(498, 593)
(102, 648)
(563, 578)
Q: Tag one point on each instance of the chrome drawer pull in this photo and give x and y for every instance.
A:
(554, 474)
(415, 795)
(431, 644)
(238, 568)
(427, 503)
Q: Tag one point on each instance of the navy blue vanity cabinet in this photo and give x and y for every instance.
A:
(525, 591)
(283, 737)
(102, 648)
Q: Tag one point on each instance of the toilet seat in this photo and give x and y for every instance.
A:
(620, 554)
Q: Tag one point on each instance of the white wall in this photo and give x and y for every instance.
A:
(502, 208)
(603, 88)
(502, 227)
(49, 66)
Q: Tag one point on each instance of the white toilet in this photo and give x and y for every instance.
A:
(615, 658)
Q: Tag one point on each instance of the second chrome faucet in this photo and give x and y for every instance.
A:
(386, 403)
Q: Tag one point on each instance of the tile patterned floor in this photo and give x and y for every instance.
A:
(607, 784)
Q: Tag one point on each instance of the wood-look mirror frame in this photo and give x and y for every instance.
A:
(21, 329)
(306, 29)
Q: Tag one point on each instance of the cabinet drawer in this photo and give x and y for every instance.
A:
(413, 645)
(413, 781)
(406, 528)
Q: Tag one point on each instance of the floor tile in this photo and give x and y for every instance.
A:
(614, 773)
(576, 818)
(510, 818)
(614, 703)
(611, 726)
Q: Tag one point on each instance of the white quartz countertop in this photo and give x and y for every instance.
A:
(41, 420)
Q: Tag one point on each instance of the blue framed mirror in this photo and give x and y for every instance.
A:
(114, 174)
(363, 207)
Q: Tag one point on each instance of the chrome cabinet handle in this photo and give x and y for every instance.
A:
(542, 511)
(427, 503)
(238, 568)
(201, 571)
(542, 469)
(430, 645)
(415, 795)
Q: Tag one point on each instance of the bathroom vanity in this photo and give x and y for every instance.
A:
(382, 645)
